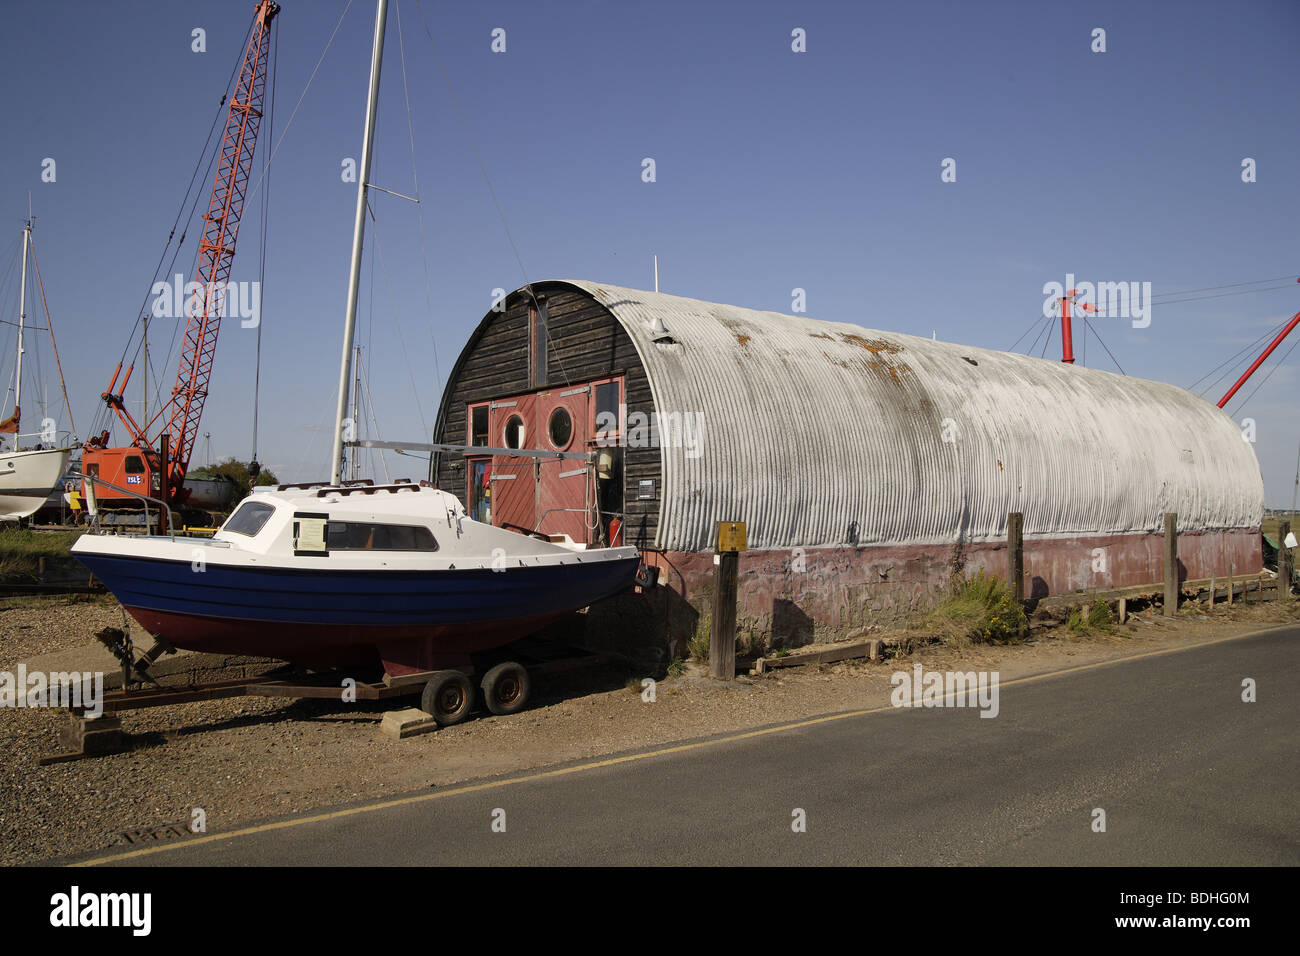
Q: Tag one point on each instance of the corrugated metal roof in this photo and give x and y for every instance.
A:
(824, 433)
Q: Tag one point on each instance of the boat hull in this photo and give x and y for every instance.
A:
(406, 620)
(27, 478)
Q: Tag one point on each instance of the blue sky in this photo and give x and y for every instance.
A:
(774, 170)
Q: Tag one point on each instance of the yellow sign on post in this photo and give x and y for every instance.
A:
(731, 536)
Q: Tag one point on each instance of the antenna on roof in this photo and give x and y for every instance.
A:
(656, 273)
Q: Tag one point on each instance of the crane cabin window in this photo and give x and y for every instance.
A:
(134, 465)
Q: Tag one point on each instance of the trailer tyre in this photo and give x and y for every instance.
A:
(448, 696)
(506, 688)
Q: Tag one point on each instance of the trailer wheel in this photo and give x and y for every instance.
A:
(448, 696)
(506, 687)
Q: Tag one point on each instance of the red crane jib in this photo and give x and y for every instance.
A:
(1286, 330)
(139, 467)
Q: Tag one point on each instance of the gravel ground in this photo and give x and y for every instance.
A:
(247, 759)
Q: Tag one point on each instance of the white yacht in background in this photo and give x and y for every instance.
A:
(27, 474)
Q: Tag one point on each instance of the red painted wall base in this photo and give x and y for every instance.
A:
(794, 597)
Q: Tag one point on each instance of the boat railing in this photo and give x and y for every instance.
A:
(365, 486)
(527, 532)
(143, 499)
(309, 485)
(369, 489)
(600, 516)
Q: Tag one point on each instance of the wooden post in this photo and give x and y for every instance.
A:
(163, 493)
(1284, 562)
(1171, 563)
(1016, 554)
(722, 640)
(1211, 592)
(1231, 586)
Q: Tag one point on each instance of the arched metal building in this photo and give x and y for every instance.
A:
(864, 462)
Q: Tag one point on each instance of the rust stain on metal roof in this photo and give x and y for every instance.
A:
(874, 346)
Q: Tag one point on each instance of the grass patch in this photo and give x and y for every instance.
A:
(980, 610)
(698, 644)
(21, 550)
(1098, 619)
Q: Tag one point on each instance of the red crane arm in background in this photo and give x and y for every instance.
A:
(1295, 320)
(217, 247)
(211, 274)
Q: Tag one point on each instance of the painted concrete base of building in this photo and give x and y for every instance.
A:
(795, 597)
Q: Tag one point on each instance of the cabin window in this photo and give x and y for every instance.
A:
(513, 436)
(607, 418)
(560, 428)
(248, 518)
(134, 465)
(478, 425)
(361, 536)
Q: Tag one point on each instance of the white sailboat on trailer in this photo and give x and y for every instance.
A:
(352, 574)
(27, 475)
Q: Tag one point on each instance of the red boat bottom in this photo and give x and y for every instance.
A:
(400, 650)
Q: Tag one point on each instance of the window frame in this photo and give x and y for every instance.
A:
(249, 505)
(470, 409)
(332, 523)
(612, 438)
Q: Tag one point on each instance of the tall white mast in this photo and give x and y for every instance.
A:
(358, 231)
(22, 318)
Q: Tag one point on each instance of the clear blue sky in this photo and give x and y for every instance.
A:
(775, 170)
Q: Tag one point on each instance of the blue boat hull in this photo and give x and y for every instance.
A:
(406, 620)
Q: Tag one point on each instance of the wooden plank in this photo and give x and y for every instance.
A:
(836, 652)
(1131, 592)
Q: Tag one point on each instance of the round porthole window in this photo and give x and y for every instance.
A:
(560, 428)
(514, 433)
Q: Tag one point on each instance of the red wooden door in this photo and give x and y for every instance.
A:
(564, 492)
(514, 491)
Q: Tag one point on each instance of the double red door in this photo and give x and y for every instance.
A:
(551, 495)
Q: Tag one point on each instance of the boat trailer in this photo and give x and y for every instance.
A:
(446, 695)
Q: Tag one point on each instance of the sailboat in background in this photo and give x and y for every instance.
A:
(27, 475)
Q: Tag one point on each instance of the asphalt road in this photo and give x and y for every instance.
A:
(1186, 772)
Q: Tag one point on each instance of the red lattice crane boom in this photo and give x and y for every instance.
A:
(157, 467)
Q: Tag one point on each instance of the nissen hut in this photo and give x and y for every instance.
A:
(868, 465)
